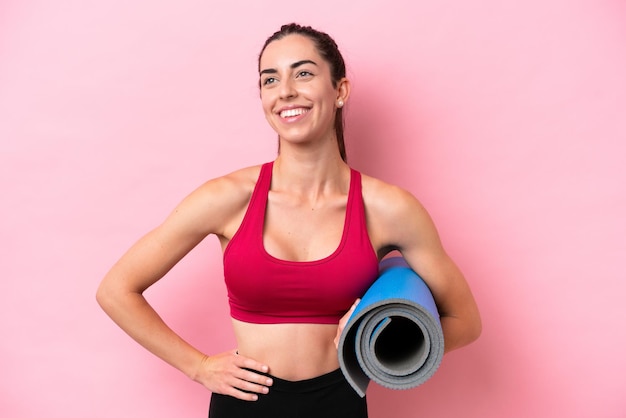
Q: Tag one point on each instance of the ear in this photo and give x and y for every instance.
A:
(343, 91)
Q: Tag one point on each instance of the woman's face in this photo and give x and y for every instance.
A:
(297, 92)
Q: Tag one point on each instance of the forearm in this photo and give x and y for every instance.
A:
(131, 312)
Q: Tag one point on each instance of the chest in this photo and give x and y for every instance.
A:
(298, 230)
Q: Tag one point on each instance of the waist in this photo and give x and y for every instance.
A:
(292, 351)
(306, 385)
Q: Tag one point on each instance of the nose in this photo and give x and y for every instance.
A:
(287, 89)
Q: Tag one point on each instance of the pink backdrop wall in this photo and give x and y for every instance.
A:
(507, 119)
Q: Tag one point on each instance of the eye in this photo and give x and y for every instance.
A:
(269, 80)
(304, 73)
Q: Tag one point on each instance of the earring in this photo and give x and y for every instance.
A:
(340, 103)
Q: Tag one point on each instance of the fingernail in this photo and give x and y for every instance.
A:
(268, 382)
(255, 397)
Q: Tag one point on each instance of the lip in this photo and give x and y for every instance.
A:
(278, 112)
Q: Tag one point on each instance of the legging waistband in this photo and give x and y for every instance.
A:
(306, 385)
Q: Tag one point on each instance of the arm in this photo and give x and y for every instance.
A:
(402, 223)
(207, 210)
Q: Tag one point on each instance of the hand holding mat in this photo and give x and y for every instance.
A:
(394, 335)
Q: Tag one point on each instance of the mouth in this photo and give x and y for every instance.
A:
(293, 112)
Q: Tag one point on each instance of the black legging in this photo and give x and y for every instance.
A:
(326, 396)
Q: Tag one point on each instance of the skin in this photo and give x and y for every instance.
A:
(304, 222)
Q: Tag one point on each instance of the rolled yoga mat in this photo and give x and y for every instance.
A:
(394, 335)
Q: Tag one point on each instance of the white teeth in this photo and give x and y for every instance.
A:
(293, 112)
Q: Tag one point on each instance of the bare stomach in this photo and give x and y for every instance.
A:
(292, 351)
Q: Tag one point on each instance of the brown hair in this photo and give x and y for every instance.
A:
(329, 50)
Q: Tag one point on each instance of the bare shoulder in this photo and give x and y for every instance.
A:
(388, 200)
(395, 216)
(232, 188)
(212, 207)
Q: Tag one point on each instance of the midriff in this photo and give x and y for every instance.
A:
(291, 351)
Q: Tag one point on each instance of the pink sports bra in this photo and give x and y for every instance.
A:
(263, 289)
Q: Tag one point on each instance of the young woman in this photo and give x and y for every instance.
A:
(302, 237)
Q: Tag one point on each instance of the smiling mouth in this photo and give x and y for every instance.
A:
(290, 113)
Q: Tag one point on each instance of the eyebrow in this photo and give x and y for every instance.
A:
(292, 66)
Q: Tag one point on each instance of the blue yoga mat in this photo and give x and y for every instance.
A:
(394, 335)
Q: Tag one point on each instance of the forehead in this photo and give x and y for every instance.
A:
(292, 48)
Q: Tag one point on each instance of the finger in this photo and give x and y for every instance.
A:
(248, 386)
(248, 363)
(246, 372)
(248, 390)
(354, 305)
(338, 337)
(255, 378)
(346, 317)
(244, 396)
(343, 321)
(351, 310)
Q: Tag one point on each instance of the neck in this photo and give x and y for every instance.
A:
(310, 174)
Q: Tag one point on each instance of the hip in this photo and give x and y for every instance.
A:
(328, 395)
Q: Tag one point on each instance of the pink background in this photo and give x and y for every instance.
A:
(507, 119)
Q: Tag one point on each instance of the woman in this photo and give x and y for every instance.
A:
(302, 237)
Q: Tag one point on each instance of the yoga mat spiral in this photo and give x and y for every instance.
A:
(394, 335)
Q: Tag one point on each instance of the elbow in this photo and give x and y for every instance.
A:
(102, 296)
(105, 297)
(114, 296)
(475, 330)
(469, 331)
(460, 332)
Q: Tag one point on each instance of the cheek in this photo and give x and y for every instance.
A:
(330, 100)
(266, 103)
(267, 106)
